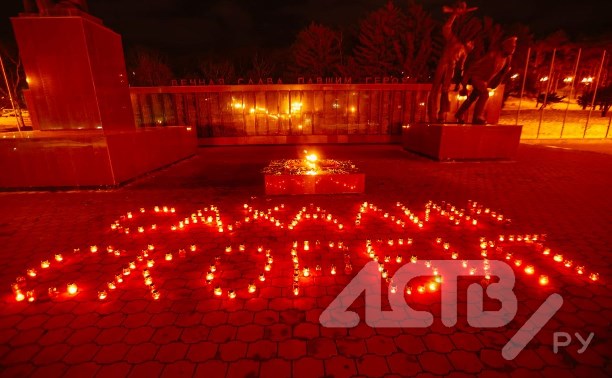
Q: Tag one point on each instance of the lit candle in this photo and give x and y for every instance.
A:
(126, 271)
(150, 247)
(148, 281)
(141, 229)
(518, 262)
(210, 275)
(455, 255)
(543, 280)
(296, 290)
(333, 269)
(102, 295)
(433, 286)
(413, 259)
(155, 294)
(118, 278)
(558, 258)
(45, 264)
(168, 256)
(252, 288)
(393, 289)
(268, 267)
(111, 285)
(59, 257)
(384, 273)
(150, 263)
(31, 272)
(568, 263)
(30, 296)
(53, 292)
(93, 249)
(529, 269)
(594, 276)
(262, 277)
(306, 272)
(213, 268)
(421, 289)
(72, 288)
(231, 294)
(398, 259)
(218, 291)
(306, 245)
(19, 297)
(580, 269)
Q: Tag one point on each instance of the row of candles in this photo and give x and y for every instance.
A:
(455, 215)
(369, 207)
(536, 240)
(21, 292)
(432, 285)
(212, 218)
(20, 289)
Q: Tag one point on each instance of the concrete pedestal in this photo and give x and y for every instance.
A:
(71, 159)
(462, 142)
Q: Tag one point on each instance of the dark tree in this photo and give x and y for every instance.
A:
(218, 69)
(317, 51)
(380, 36)
(603, 99)
(148, 68)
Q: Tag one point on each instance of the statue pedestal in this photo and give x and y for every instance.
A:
(75, 73)
(79, 101)
(87, 159)
(462, 142)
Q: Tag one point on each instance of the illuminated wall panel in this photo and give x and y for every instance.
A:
(285, 110)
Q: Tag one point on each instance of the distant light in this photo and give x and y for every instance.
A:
(545, 78)
(514, 76)
(568, 79)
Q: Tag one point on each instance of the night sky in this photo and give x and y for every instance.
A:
(231, 27)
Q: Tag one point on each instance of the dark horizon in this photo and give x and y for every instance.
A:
(189, 27)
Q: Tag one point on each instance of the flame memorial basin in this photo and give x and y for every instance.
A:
(295, 176)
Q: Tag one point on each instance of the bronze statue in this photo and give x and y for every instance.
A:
(487, 72)
(453, 57)
(47, 7)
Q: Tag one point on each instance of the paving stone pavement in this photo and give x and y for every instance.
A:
(561, 196)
